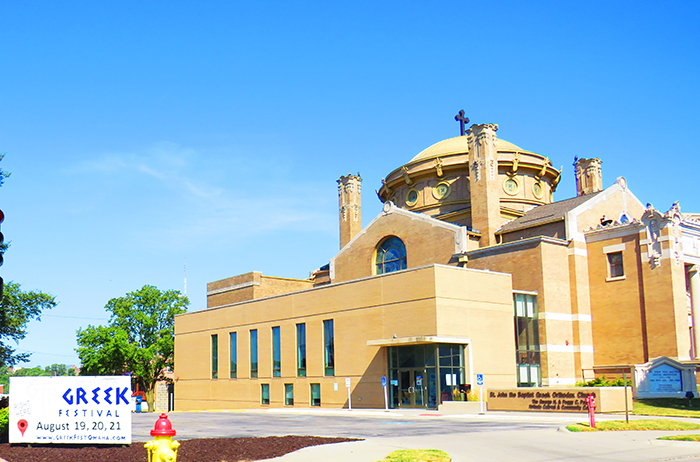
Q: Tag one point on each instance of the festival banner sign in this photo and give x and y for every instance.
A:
(72, 410)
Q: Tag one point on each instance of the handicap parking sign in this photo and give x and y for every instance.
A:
(479, 379)
(384, 381)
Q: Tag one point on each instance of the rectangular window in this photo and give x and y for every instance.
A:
(276, 353)
(264, 393)
(253, 353)
(288, 394)
(615, 262)
(214, 356)
(328, 350)
(527, 340)
(315, 394)
(301, 350)
(234, 354)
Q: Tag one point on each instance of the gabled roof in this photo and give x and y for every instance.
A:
(543, 214)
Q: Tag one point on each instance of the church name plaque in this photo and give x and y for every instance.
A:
(665, 378)
(541, 401)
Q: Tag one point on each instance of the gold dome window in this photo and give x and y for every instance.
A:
(511, 186)
(441, 190)
(537, 190)
(411, 197)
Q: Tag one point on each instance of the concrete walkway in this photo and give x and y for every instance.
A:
(522, 446)
(549, 444)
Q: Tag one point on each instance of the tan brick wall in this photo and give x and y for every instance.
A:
(582, 327)
(433, 300)
(611, 208)
(556, 229)
(541, 266)
(425, 244)
(276, 286)
(666, 304)
(247, 282)
(250, 286)
(641, 316)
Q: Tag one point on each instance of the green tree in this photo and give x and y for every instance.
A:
(57, 369)
(17, 308)
(3, 176)
(139, 338)
(36, 371)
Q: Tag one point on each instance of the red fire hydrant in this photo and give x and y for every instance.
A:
(591, 408)
(162, 448)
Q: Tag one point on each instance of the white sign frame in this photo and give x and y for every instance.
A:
(70, 410)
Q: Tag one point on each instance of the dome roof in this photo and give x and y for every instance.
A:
(457, 145)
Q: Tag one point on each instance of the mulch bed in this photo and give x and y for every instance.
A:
(200, 450)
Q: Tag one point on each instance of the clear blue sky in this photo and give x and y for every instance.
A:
(143, 135)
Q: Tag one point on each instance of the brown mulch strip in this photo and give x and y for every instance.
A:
(201, 450)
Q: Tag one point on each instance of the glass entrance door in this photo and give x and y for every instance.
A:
(412, 387)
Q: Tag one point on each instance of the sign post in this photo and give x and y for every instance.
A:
(347, 384)
(386, 398)
(480, 382)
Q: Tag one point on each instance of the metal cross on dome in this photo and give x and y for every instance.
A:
(462, 121)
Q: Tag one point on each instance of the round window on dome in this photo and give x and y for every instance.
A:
(441, 190)
(537, 189)
(511, 186)
(411, 197)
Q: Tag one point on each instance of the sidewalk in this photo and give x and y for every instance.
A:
(522, 445)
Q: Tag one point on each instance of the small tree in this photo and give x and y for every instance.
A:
(139, 338)
(17, 308)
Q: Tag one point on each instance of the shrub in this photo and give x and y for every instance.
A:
(604, 382)
(4, 422)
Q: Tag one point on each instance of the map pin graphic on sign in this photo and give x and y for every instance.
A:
(22, 425)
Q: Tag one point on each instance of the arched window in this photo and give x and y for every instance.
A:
(391, 255)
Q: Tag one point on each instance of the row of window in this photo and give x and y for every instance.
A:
(328, 352)
(314, 394)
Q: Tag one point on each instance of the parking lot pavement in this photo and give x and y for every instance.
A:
(493, 437)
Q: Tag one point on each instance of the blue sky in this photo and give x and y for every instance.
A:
(143, 136)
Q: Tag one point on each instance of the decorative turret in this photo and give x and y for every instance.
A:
(350, 205)
(589, 176)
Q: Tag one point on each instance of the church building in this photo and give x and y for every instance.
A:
(470, 268)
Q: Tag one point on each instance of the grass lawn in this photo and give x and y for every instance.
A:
(681, 438)
(673, 407)
(646, 424)
(417, 455)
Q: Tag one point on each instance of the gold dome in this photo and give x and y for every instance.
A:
(457, 145)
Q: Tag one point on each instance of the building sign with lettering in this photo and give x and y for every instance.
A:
(665, 378)
(539, 400)
(72, 410)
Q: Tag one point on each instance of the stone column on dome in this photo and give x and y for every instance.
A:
(694, 279)
(483, 178)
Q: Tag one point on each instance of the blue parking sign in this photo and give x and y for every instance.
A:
(384, 381)
(479, 379)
